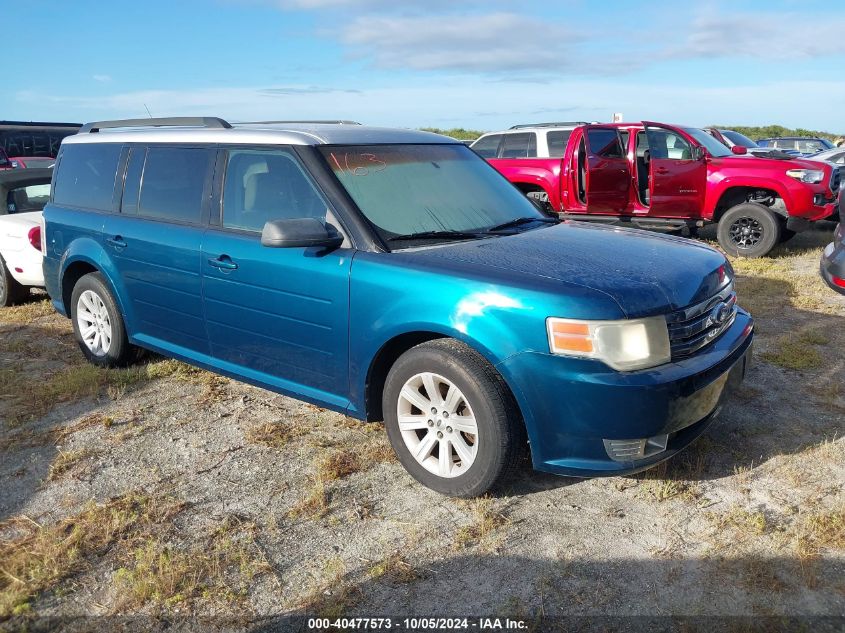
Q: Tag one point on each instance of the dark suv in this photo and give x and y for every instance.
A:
(797, 145)
(392, 275)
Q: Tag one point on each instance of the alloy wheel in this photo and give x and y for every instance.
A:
(92, 318)
(437, 425)
(746, 232)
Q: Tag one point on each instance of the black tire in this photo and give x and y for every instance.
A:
(120, 352)
(501, 437)
(11, 292)
(748, 230)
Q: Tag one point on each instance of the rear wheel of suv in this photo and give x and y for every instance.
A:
(451, 419)
(748, 230)
(11, 292)
(98, 325)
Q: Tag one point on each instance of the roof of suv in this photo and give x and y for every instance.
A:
(258, 133)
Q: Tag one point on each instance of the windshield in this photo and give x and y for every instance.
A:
(409, 189)
(715, 148)
(738, 139)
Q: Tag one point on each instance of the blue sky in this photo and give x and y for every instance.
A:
(482, 65)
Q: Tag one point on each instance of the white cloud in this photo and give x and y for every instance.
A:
(101, 78)
(761, 35)
(493, 42)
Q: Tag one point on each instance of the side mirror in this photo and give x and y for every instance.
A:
(698, 152)
(739, 150)
(300, 232)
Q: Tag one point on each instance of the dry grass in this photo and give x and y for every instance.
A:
(485, 522)
(274, 434)
(818, 531)
(333, 596)
(69, 463)
(220, 571)
(337, 465)
(800, 350)
(395, 569)
(28, 312)
(315, 503)
(35, 558)
(742, 522)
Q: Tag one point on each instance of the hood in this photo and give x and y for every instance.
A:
(644, 273)
(770, 152)
(763, 162)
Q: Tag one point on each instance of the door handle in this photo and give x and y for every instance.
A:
(117, 242)
(661, 170)
(224, 262)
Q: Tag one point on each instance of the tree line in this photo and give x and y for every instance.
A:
(752, 132)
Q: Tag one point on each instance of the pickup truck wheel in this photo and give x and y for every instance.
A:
(748, 230)
(451, 419)
(98, 325)
(11, 292)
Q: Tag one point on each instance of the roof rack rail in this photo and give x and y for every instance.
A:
(329, 121)
(176, 121)
(553, 124)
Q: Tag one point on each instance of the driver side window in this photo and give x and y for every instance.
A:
(262, 186)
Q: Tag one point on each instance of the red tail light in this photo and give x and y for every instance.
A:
(34, 236)
(838, 281)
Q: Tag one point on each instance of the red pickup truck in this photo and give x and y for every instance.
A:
(670, 178)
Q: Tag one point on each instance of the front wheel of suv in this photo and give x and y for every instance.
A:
(748, 230)
(98, 325)
(451, 419)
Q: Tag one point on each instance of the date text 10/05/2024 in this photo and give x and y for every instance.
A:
(418, 624)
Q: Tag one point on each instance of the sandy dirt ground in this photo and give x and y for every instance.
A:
(165, 491)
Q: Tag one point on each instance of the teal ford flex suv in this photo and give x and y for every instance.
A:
(392, 275)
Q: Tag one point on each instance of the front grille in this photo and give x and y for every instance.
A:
(692, 328)
(835, 179)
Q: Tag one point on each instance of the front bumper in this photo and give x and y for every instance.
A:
(833, 260)
(572, 407)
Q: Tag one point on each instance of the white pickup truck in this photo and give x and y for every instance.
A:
(23, 194)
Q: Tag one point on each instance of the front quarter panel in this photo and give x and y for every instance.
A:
(390, 297)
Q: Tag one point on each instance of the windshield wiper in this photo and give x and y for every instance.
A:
(431, 235)
(519, 222)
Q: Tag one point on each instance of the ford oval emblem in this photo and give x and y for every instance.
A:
(720, 313)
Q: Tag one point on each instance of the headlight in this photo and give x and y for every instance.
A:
(624, 345)
(812, 176)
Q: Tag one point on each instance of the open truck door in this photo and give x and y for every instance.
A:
(608, 174)
(677, 172)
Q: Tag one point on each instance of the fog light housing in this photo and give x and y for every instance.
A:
(632, 450)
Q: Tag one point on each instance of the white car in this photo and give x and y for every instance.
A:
(23, 194)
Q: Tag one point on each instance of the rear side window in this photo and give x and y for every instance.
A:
(605, 143)
(173, 182)
(267, 185)
(487, 146)
(522, 145)
(29, 198)
(86, 175)
(557, 141)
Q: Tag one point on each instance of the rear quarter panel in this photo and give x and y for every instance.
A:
(76, 235)
(542, 172)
